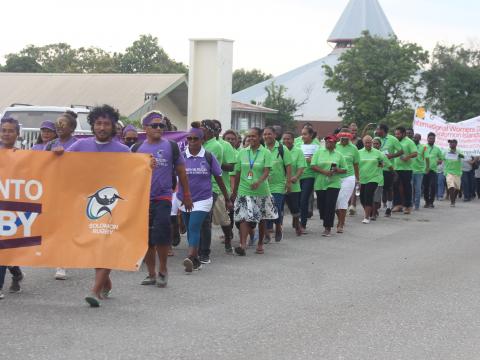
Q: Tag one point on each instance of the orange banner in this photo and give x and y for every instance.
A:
(77, 210)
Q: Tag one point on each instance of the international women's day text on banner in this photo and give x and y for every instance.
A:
(467, 132)
(77, 210)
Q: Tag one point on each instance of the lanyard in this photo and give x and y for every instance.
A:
(250, 159)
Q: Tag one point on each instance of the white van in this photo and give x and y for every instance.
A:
(30, 117)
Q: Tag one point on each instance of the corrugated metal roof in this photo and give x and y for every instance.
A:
(240, 106)
(306, 83)
(361, 15)
(123, 91)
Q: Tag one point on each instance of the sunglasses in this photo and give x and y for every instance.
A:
(131, 139)
(157, 126)
(192, 138)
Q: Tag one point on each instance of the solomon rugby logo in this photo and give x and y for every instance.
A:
(102, 202)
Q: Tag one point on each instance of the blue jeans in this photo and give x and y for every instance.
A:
(307, 188)
(193, 222)
(417, 180)
(279, 204)
(440, 185)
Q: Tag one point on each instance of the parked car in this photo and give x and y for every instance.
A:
(30, 117)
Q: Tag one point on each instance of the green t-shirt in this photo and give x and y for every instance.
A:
(369, 169)
(324, 159)
(308, 150)
(214, 146)
(277, 180)
(350, 153)
(390, 145)
(408, 147)
(229, 157)
(453, 163)
(419, 163)
(261, 159)
(434, 154)
(298, 162)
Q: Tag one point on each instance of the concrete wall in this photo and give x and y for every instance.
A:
(210, 80)
(168, 108)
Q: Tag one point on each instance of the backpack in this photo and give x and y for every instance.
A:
(175, 153)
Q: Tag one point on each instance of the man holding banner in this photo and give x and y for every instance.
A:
(103, 121)
(453, 170)
(435, 156)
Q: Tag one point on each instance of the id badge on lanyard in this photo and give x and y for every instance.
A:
(251, 163)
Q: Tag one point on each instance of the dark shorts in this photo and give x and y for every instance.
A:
(159, 223)
(388, 180)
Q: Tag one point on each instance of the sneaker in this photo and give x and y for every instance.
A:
(366, 221)
(61, 274)
(15, 286)
(432, 206)
(351, 210)
(452, 205)
(240, 251)
(228, 249)
(188, 264)
(149, 280)
(162, 280)
(197, 265)
(388, 212)
(93, 300)
(2, 295)
(205, 259)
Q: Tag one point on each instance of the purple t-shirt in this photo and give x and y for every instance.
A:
(38, 147)
(57, 142)
(90, 145)
(199, 174)
(161, 187)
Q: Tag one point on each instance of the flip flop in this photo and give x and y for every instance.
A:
(259, 251)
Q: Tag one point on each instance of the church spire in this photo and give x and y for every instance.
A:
(360, 15)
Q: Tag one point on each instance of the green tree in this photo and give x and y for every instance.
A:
(286, 106)
(21, 64)
(242, 79)
(453, 82)
(375, 78)
(146, 56)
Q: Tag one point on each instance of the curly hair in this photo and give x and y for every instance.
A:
(105, 111)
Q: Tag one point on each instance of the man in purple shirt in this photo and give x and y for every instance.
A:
(102, 119)
(168, 163)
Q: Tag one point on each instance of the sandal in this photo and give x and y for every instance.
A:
(171, 253)
(259, 251)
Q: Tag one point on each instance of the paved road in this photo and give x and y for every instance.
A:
(401, 288)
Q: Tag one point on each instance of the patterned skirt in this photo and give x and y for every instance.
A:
(254, 208)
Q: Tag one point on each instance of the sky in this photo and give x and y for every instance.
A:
(272, 35)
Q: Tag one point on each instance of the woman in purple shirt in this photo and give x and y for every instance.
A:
(65, 127)
(47, 134)
(200, 166)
